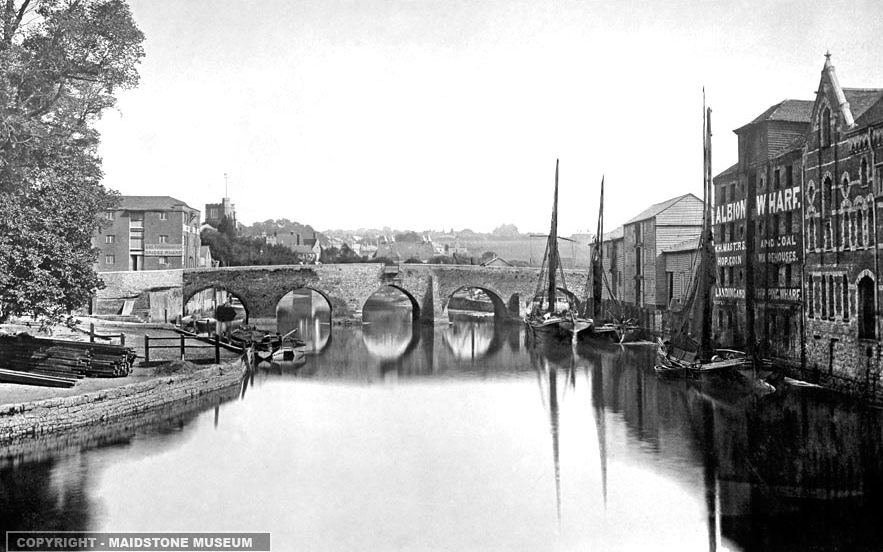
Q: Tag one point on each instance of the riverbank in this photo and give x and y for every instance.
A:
(31, 412)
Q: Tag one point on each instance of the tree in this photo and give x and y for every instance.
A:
(61, 61)
(407, 237)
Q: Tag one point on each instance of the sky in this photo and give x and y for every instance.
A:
(439, 114)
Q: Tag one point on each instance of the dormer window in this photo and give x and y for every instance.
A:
(825, 128)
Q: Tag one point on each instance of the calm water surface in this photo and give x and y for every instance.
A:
(394, 437)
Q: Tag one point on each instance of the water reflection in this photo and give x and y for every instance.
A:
(309, 312)
(402, 436)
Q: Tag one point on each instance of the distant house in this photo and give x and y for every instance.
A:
(496, 261)
(402, 251)
(307, 254)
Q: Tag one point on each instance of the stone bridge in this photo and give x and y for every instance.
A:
(346, 287)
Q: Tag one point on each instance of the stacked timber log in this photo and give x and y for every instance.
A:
(59, 363)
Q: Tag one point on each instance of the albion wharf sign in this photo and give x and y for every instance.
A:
(770, 203)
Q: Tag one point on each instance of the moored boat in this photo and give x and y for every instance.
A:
(546, 319)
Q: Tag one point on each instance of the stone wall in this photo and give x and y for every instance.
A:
(155, 292)
(39, 418)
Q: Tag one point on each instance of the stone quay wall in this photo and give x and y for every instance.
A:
(49, 416)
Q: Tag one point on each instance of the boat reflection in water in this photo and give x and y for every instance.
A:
(416, 438)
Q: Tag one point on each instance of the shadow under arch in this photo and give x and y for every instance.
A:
(216, 287)
(500, 308)
(298, 309)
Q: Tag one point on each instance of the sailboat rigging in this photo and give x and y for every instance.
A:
(546, 317)
(690, 350)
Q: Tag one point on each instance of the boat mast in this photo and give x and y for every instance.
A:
(705, 345)
(598, 259)
(553, 248)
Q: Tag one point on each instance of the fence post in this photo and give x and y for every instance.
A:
(91, 332)
(122, 339)
(217, 349)
(182, 346)
(146, 349)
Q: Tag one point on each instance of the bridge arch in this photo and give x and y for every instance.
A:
(242, 297)
(414, 304)
(500, 307)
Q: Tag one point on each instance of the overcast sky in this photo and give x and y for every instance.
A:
(438, 114)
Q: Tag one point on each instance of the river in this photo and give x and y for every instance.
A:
(391, 436)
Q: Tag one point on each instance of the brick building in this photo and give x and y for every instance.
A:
(149, 233)
(764, 187)
(843, 160)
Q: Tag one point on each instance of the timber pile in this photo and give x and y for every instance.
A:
(60, 363)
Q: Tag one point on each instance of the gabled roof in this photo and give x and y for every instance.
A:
(861, 99)
(873, 114)
(689, 245)
(795, 144)
(616, 234)
(790, 111)
(654, 210)
(497, 261)
(734, 169)
(152, 203)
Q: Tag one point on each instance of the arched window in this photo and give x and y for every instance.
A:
(867, 324)
(825, 128)
(845, 224)
(828, 197)
(827, 234)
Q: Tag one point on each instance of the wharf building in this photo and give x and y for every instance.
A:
(148, 233)
(758, 235)
(843, 160)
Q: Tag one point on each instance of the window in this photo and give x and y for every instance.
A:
(163, 260)
(809, 300)
(163, 216)
(828, 194)
(110, 259)
(824, 297)
(163, 239)
(732, 192)
(723, 195)
(831, 297)
(108, 215)
(776, 179)
(867, 328)
(787, 278)
(639, 261)
(845, 291)
(110, 238)
(789, 176)
(825, 128)
(864, 172)
(789, 223)
(639, 238)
